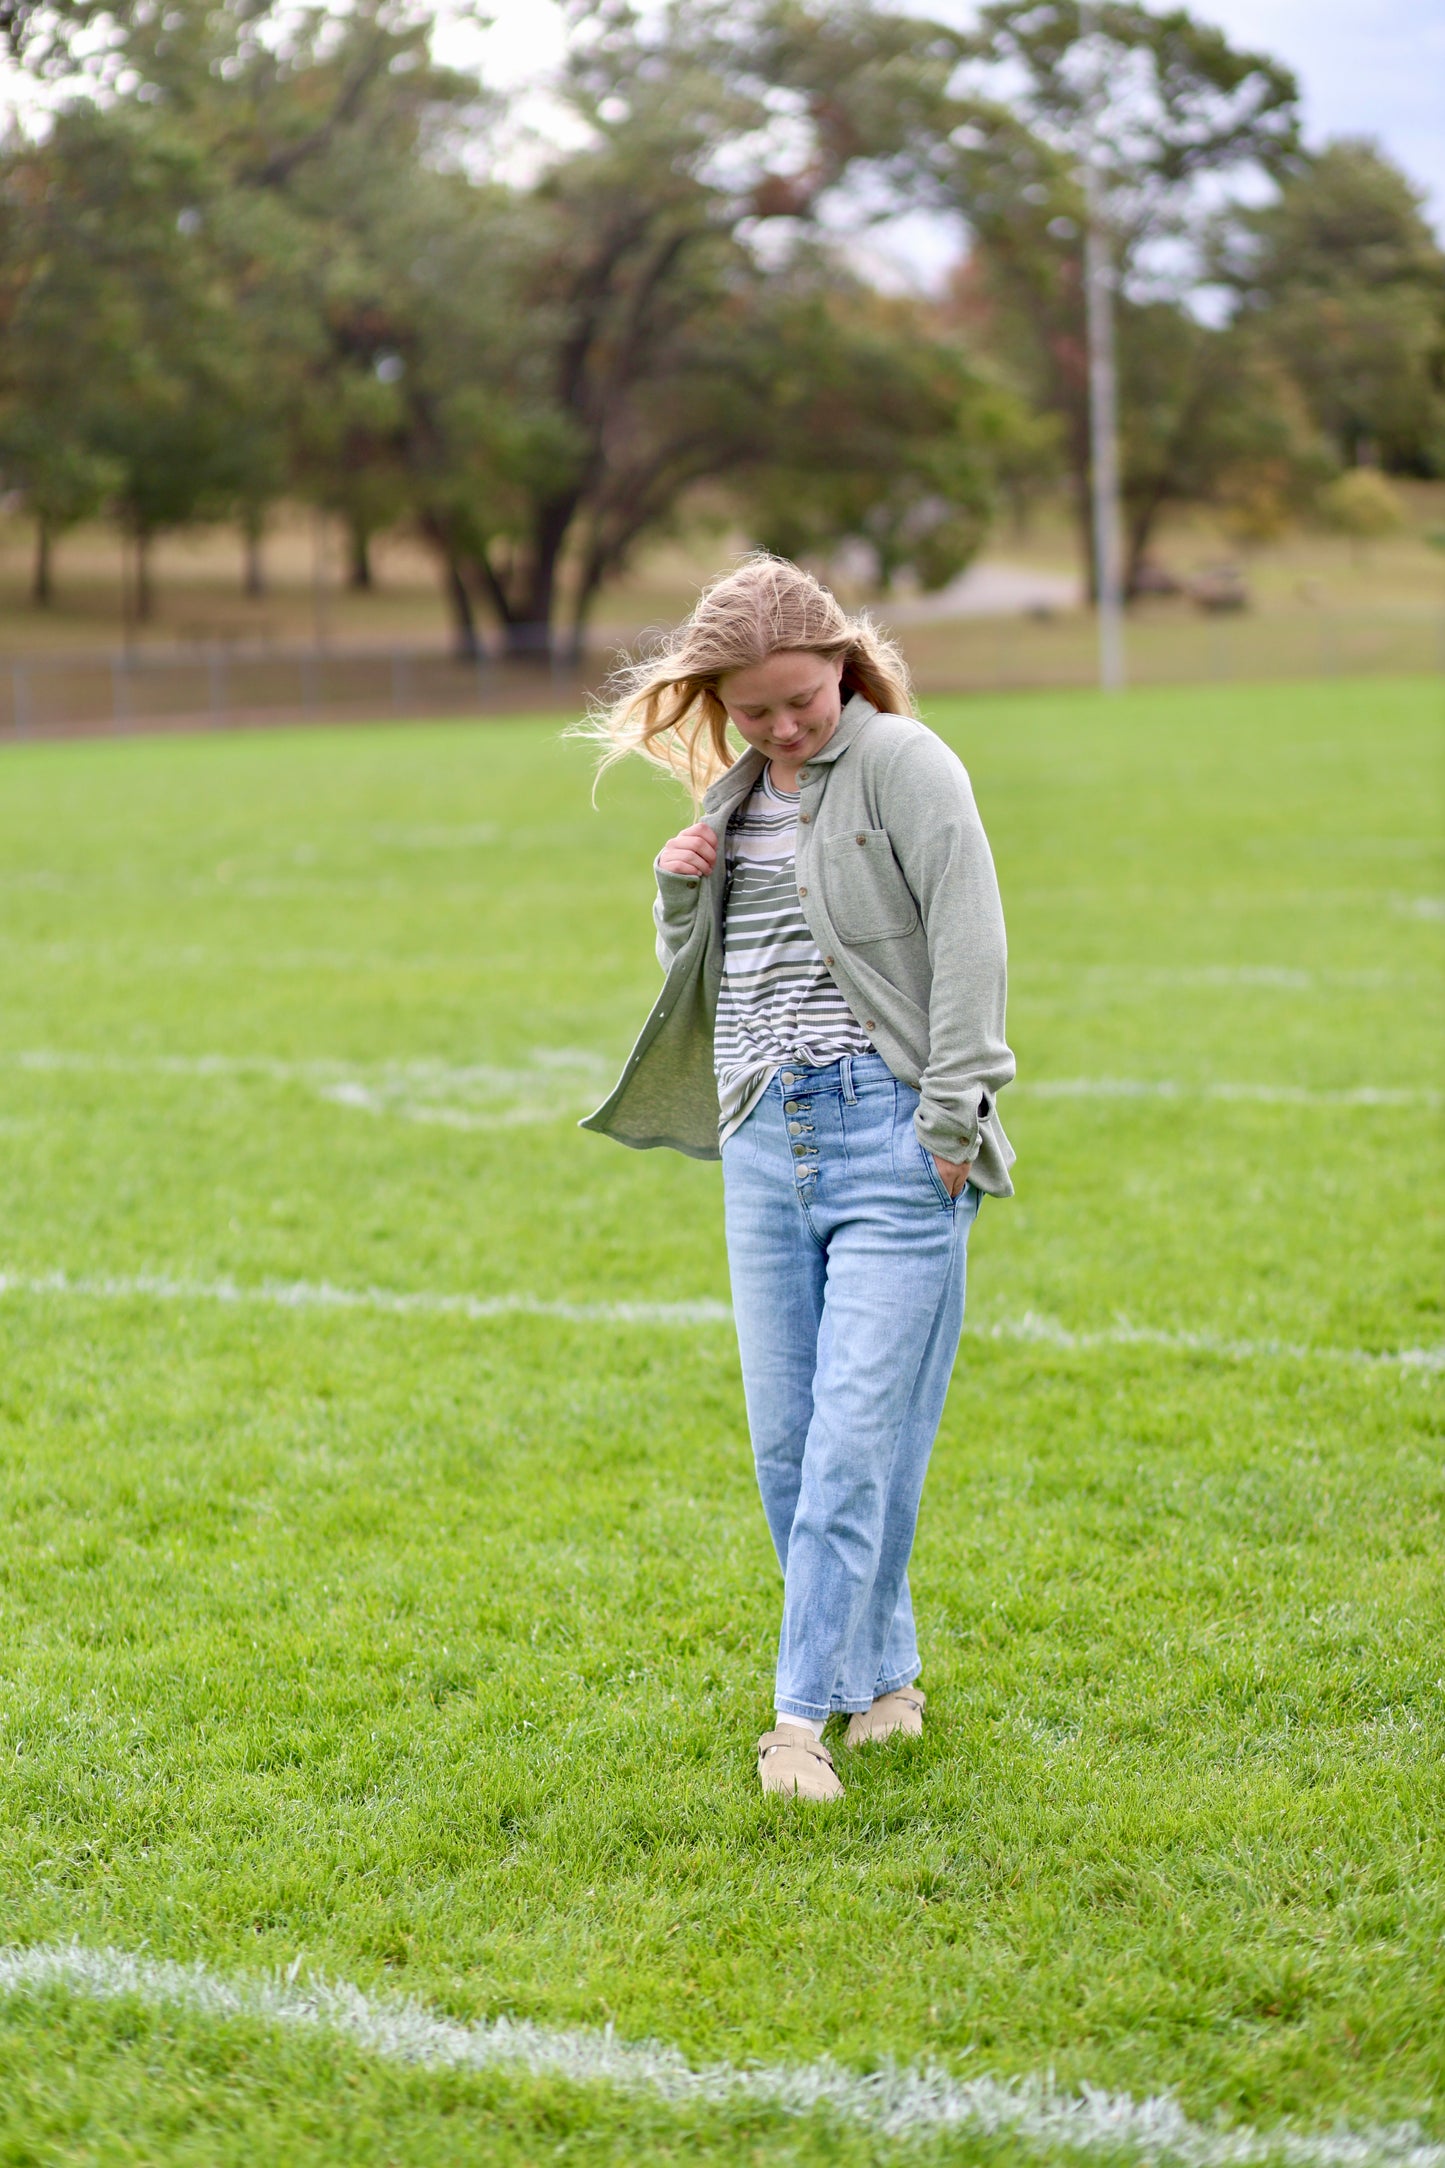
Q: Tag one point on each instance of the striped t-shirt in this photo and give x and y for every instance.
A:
(776, 1003)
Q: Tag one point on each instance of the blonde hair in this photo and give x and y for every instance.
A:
(666, 706)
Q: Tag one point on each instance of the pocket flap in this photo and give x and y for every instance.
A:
(867, 896)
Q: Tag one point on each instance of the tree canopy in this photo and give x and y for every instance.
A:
(264, 255)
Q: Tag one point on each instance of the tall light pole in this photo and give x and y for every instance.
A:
(1103, 401)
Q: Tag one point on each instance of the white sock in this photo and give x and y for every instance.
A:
(804, 1723)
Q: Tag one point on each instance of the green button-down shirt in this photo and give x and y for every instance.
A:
(897, 884)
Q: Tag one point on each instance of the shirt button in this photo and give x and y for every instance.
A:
(828, 961)
(869, 1025)
(802, 775)
(805, 817)
(862, 839)
(802, 891)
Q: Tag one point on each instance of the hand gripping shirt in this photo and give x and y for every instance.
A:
(776, 1002)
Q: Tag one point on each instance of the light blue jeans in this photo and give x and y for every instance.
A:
(847, 1258)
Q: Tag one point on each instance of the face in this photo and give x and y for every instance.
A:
(788, 706)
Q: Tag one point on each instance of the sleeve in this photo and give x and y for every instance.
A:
(673, 912)
(933, 823)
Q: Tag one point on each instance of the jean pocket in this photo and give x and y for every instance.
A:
(940, 1187)
(913, 1166)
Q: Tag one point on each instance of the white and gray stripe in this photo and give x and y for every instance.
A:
(776, 1002)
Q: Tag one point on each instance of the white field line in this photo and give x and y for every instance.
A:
(397, 1302)
(897, 2101)
(1145, 979)
(1046, 1333)
(1030, 1328)
(551, 1085)
(1268, 1095)
(544, 1087)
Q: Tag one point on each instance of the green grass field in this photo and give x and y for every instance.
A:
(424, 1647)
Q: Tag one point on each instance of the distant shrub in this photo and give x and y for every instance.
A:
(1363, 505)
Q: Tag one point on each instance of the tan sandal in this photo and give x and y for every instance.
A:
(900, 1711)
(791, 1760)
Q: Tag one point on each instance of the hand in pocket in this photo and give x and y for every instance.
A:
(953, 1174)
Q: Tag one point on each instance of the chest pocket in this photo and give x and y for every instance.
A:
(867, 896)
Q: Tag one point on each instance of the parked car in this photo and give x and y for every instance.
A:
(1218, 588)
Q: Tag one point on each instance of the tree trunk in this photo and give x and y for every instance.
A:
(529, 625)
(358, 575)
(145, 599)
(591, 577)
(41, 591)
(465, 645)
(1084, 514)
(254, 582)
(1140, 526)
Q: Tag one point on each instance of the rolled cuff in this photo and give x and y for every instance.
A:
(950, 1134)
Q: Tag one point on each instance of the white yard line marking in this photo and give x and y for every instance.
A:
(1029, 1328)
(1044, 1332)
(555, 1081)
(1149, 978)
(552, 1084)
(1267, 1095)
(897, 2101)
(397, 1302)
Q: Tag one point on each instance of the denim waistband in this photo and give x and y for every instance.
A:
(844, 1077)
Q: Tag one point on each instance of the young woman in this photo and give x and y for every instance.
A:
(831, 1024)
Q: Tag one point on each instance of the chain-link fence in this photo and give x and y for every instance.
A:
(221, 686)
(148, 688)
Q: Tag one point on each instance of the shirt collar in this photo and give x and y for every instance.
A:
(749, 765)
(855, 714)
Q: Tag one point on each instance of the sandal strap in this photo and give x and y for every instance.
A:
(771, 1741)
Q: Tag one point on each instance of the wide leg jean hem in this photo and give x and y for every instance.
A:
(811, 1710)
(899, 1679)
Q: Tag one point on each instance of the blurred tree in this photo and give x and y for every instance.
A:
(302, 284)
(882, 434)
(1344, 279)
(1208, 418)
(316, 130)
(48, 292)
(651, 339)
(117, 374)
(1164, 100)
(42, 35)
